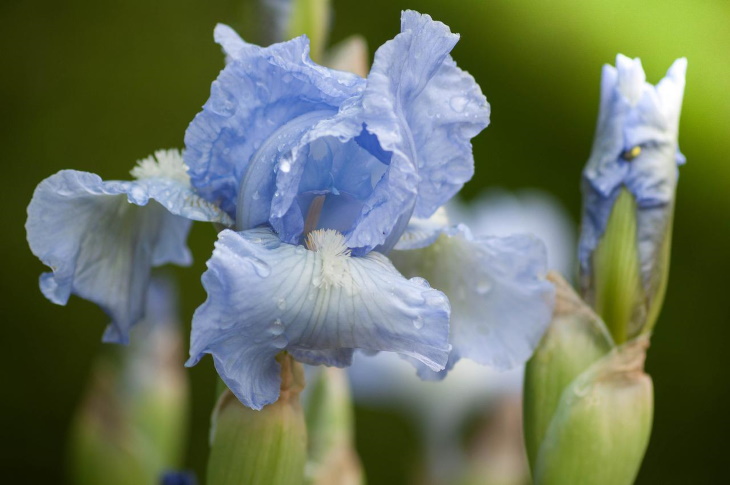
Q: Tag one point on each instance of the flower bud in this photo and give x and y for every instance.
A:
(330, 425)
(575, 339)
(311, 17)
(266, 447)
(629, 186)
(131, 425)
(601, 427)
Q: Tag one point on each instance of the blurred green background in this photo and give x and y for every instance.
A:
(96, 86)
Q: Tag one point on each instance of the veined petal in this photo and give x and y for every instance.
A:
(501, 302)
(424, 110)
(102, 238)
(265, 296)
(259, 91)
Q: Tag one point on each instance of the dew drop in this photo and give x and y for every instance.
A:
(285, 166)
(221, 101)
(483, 287)
(280, 341)
(458, 103)
(434, 298)
(277, 328)
(256, 195)
(418, 322)
(281, 303)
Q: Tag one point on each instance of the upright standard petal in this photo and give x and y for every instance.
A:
(501, 301)
(258, 92)
(280, 134)
(423, 110)
(101, 239)
(402, 146)
(319, 304)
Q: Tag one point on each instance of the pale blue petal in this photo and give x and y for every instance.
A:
(265, 296)
(423, 110)
(259, 91)
(633, 113)
(279, 132)
(405, 140)
(501, 301)
(102, 238)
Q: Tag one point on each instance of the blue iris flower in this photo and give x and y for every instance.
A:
(323, 171)
(635, 148)
(315, 176)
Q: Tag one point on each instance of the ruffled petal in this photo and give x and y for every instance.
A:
(101, 239)
(259, 91)
(265, 296)
(424, 111)
(501, 302)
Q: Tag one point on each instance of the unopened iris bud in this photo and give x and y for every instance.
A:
(132, 423)
(601, 427)
(629, 186)
(330, 425)
(575, 339)
(266, 447)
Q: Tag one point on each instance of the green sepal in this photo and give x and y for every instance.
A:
(575, 339)
(617, 291)
(266, 447)
(600, 431)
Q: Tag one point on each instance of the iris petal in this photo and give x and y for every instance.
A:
(501, 303)
(424, 110)
(102, 238)
(265, 296)
(259, 91)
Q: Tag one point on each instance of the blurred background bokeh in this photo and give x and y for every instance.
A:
(96, 86)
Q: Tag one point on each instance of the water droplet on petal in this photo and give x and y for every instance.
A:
(256, 195)
(281, 303)
(277, 328)
(285, 166)
(458, 103)
(222, 102)
(418, 322)
(483, 287)
(280, 341)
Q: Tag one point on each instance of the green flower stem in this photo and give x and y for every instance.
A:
(330, 425)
